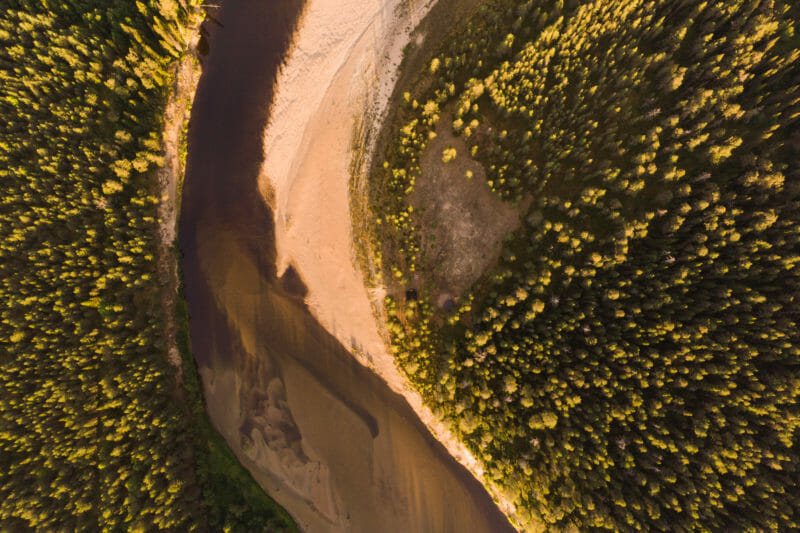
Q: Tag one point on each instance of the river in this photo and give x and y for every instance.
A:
(321, 433)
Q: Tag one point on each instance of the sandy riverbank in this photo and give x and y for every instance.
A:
(340, 49)
(323, 434)
(342, 69)
(187, 74)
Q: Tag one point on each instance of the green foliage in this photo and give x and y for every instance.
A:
(92, 433)
(632, 362)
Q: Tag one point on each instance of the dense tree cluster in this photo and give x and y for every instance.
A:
(633, 361)
(92, 433)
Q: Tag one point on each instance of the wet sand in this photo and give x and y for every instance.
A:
(322, 434)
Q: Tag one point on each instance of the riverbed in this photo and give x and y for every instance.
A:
(323, 435)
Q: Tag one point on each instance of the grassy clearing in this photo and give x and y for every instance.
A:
(372, 247)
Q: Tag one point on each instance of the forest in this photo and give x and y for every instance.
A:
(96, 433)
(631, 360)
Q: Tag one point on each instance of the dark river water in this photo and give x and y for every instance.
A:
(322, 434)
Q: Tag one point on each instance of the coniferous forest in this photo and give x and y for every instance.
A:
(96, 433)
(631, 362)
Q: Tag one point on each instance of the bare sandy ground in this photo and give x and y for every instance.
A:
(341, 69)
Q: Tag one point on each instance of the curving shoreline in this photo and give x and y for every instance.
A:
(322, 433)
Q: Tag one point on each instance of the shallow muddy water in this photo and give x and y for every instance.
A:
(322, 434)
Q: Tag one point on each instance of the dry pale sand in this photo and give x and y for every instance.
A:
(339, 51)
(341, 70)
